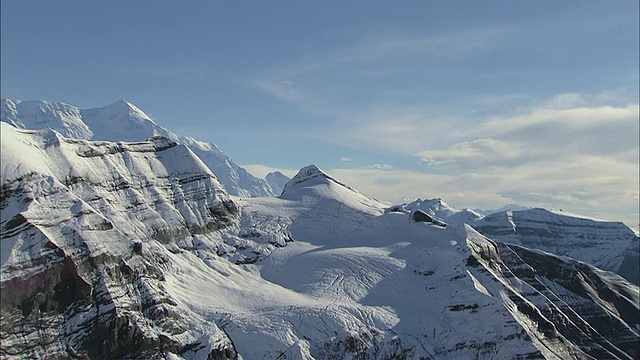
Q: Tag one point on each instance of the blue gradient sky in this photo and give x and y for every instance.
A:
(480, 103)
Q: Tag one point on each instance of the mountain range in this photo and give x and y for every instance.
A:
(136, 249)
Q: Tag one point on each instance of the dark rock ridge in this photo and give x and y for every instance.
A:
(421, 216)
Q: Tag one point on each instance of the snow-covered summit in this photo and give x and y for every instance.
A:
(124, 106)
(312, 185)
(437, 208)
(124, 121)
(305, 174)
(277, 180)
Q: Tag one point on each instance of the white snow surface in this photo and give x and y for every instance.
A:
(352, 277)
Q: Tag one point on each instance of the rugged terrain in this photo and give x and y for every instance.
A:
(135, 250)
(121, 239)
(609, 245)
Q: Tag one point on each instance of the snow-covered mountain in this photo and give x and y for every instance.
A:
(88, 231)
(609, 245)
(277, 181)
(134, 250)
(313, 186)
(123, 121)
(438, 209)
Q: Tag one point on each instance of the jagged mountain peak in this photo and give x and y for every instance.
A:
(305, 174)
(438, 208)
(277, 180)
(312, 175)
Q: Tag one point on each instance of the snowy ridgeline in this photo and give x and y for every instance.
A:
(609, 245)
(135, 250)
(123, 121)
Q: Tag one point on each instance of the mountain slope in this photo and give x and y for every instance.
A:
(123, 121)
(277, 180)
(86, 232)
(133, 250)
(608, 245)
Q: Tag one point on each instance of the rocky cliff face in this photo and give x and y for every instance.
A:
(86, 232)
(566, 306)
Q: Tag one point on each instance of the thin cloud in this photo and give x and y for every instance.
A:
(567, 118)
(603, 194)
(283, 80)
(380, 166)
(585, 159)
(401, 130)
(394, 46)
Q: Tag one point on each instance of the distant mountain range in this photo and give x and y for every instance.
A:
(136, 249)
(609, 245)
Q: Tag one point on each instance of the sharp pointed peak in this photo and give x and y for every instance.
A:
(313, 184)
(306, 173)
(311, 170)
(123, 105)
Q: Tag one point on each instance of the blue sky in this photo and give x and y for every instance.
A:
(480, 103)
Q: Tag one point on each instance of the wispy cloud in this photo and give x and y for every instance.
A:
(380, 166)
(394, 46)
(304, 82)
(603, 194)
(546, 136)
(561, 154)
(573, 150)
